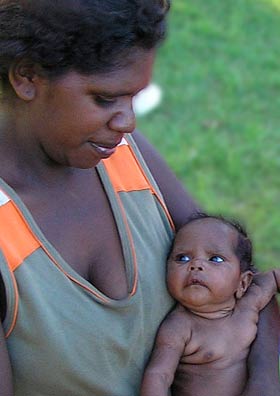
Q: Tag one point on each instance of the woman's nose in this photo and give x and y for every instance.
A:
(123, 121)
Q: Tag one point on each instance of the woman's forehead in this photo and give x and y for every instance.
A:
(120, 81)
(136, 72)
(125, 80)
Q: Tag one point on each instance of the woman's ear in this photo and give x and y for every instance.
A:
(21, 76)
(245, 281)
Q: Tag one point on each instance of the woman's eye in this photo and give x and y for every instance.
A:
(183, 258)
(104, 100)
(216, 259)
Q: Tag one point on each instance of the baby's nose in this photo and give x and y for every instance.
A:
(196, 265)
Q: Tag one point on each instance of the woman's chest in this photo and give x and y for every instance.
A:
(105, 236)
(80, 225)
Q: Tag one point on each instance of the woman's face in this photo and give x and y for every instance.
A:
(77, 120)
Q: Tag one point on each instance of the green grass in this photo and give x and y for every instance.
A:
(218, 126)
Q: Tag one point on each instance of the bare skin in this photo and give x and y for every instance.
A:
(61, 188)
(51, 171)
(60, 196)
(202, 346)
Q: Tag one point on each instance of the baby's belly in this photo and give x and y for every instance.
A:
(210, 380)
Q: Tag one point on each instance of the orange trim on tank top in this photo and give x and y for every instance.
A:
(14, 232)
(14, 317)
(125, 174)
(156, 194)
(26, 242)
(135, 268)
(133, 178)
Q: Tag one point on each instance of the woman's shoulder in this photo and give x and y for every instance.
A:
(179, 202)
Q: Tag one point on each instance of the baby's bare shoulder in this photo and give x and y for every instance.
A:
(176, 325)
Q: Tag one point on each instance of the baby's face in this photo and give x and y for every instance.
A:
(203, 269)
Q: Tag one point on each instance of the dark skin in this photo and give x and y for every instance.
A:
(195, 351)
(53, 170)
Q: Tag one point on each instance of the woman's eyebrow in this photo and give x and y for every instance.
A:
(113, 94)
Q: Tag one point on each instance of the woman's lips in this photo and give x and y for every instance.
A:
(103, 151)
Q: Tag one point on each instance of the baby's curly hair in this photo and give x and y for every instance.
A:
(88, 36)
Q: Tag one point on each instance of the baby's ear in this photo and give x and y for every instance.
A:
(245, 281)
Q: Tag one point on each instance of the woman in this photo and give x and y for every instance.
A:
(85, 223)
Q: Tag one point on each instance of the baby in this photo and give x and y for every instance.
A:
(202, 346)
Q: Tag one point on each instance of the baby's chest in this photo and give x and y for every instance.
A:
(220, 342)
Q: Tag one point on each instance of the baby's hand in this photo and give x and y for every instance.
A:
(258, 278)
(276, 273)
(268, 282)
(270, 277)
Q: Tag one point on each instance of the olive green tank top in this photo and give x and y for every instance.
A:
(64, 337)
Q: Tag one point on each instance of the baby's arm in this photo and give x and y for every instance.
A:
(171, 339)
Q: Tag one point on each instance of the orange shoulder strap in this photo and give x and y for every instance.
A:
(124, 171)
(126, 174)
(16, 239)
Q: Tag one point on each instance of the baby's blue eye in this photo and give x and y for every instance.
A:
(216, 259)
(183, 258)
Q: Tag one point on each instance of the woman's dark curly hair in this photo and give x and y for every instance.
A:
(88, 36)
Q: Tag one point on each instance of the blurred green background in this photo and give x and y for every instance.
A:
(219, 120)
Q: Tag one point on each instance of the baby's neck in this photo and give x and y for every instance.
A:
(220, 314)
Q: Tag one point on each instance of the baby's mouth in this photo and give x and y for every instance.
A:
(196, 282)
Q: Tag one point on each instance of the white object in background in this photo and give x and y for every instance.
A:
(147, 99)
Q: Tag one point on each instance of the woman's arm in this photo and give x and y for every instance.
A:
(263, 359)
(5, 368)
